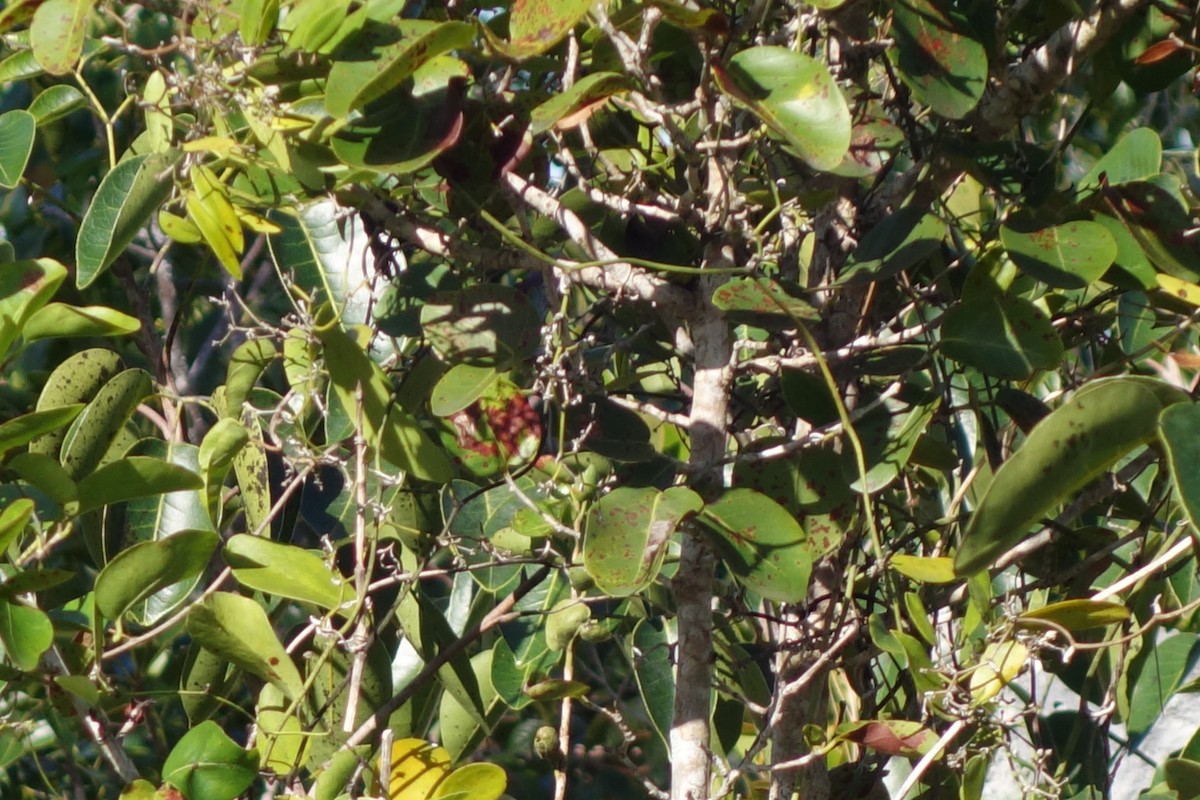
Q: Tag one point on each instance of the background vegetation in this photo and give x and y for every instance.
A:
(636, 399)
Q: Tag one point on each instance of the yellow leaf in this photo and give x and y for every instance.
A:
(1078, 615)
(1187, 292)
(417, 767)
(1000, 663)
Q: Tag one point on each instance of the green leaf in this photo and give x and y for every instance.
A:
(1068, 256)
(1158, 674)
(474, 781)
(460, 727)
(756, 300)
(310, 23)
(102, 419)
(20, 66)
(57, 34)
(23, 429)
(140, 571)
(797, 99)
(586, 93)
(323, 252)
(1075, 444)
(651, 656)
(351, 87)
(16, 143)
(283, 737)
(1002, 336)
(1183, 776)
(55, 102)
(246, 366)
(207, 765)
(537, 25)
(1079, 615)
(220, 448)
(58, 320)
(46, 474)
(76, 380)
(628, 531)
(330, 692)
(253, 478)
(1177, 430)
(394, 432)
(124, 201)
(25, 632)
(1137, 156)
(895, 244)
(763, 545)
(26, 286)
(256, 20)
(945, 69)
(206, 677)
(484, 325)
(285, 570)
(403, 131)
(211, 211)
(924, 569)
(137, 476)
(13, 519)
(237, 629)
(461, 386)
(890, 446)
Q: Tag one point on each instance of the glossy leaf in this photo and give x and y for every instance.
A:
(1137, 156)
(148, 567)
(1179, 433)
(23, 429)
(205, 764)
(285, 570)
(237, 629)
(475, 781)
(1077, 443)
(651, 655)
(1068, 256)
(57, 320)
(210, 210)
(461, 386)
(16, 143)
(417, 768)
(1079, 615)
(590, 91)
(282, 739)
(124, 201)
(137, 476)
(93, 432)
(25, 632)
(537, 25)
(1002, 336)
(762, 544)
(461, 728)
(55, 102)
(351, 88)
(57, 33)
(13, 519)
(945, 69)
(797, 99)
(1156, 677)
(45, 473)
(324, 251)
(221, 446)
(25, 287)
(627, 535)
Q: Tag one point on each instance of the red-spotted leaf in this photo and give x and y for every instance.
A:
(797, 99)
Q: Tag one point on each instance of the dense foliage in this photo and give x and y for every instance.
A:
(586, 399)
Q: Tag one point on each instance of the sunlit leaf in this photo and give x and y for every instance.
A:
(795, 96)
(16, 143)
